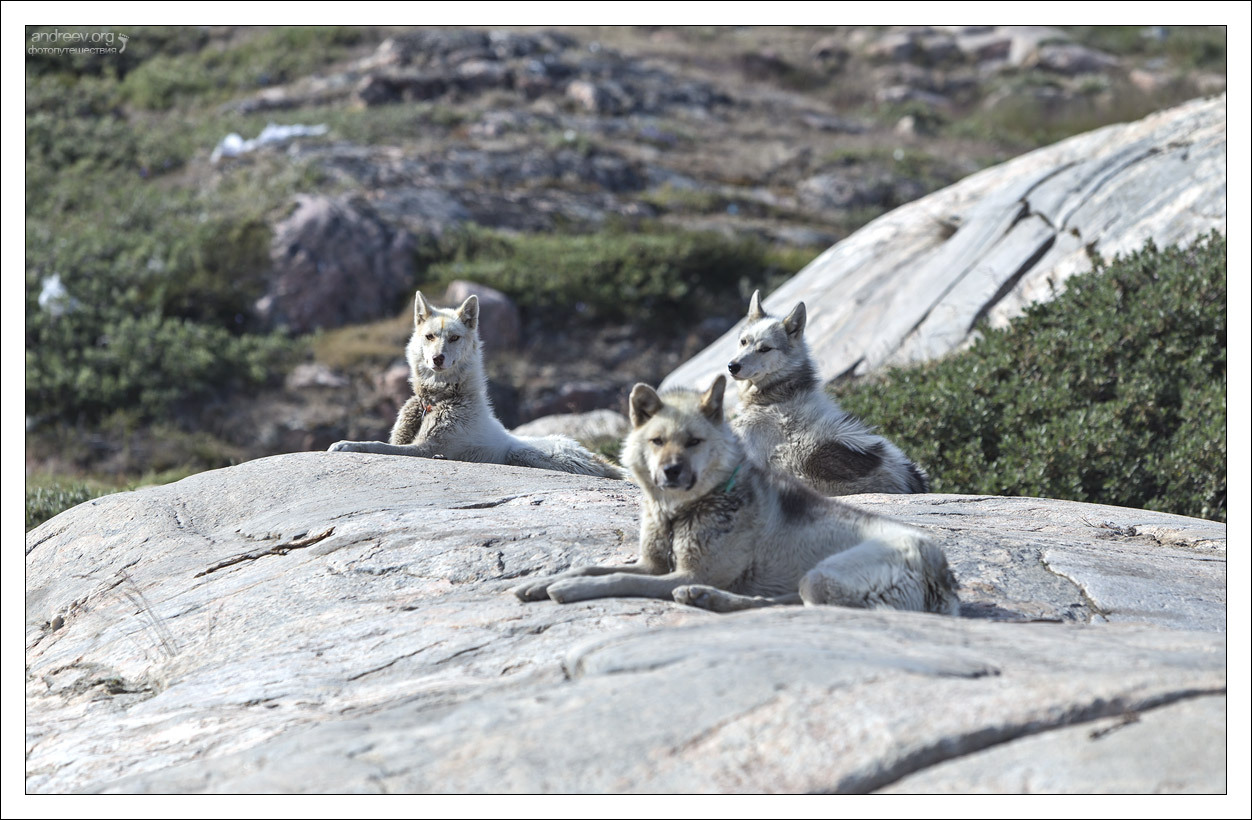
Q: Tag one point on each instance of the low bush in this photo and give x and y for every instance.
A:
(43, 502)
(138, 297)
(1113, 393)
(1200, 47)
(650, 277)
(258, 59)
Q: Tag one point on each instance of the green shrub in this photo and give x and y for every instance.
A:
(43, 502)
(652, 278)
(160, 278)
(1113, 393)
(157, 282)
(83, 365)
(142, 43)
(1192, 47)
(48, 495)
(261, 58)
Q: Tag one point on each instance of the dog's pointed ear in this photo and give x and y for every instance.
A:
(421, 309)
(468, 311)
(711, 401)
(644, 404)
(794, 323)
(754, 307)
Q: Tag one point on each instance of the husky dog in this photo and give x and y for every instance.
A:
(722, 532)
(449, 415)
(787, 420)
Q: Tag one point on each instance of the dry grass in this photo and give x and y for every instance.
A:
(368, 347)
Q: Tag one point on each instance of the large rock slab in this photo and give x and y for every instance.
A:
(340, 622)
(914, 284)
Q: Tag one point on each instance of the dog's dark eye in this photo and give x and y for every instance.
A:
(657, 441)
(743, 342)
(430, 337)
(692, 442)
(765, 348)
(454, 338)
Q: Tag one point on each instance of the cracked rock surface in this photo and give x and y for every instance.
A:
(914, 284)
(332, 622)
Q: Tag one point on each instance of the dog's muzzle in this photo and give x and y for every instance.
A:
(675, 475)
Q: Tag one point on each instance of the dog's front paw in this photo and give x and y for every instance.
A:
(565, 590)
(344, 447)
(698, 595)
(532, 590)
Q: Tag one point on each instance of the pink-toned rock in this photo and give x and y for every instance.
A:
(313, 374)
(831, 51)
(394, 383)
(500, 324)
(891, 47)
(335, 263)
(594, 98)
(1070, 59)
(1149, 82)
(984, 46)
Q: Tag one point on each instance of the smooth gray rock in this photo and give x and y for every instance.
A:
(1184, 743)
(331, 622)
(596, 424)
(787, 701)
(914, 284)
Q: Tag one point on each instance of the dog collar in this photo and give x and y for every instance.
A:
(731, 482)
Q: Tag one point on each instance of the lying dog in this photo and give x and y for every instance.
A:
(720, 531)
(450, 416)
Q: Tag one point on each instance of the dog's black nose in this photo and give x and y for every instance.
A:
(438, 360)
(734, 367)
(673, 471)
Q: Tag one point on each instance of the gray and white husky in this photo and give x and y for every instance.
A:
(723, 532)
(788, 420)
(450, 416)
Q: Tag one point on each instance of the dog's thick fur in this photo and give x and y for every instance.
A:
(722, 532)
(788, 420)
(450, 416)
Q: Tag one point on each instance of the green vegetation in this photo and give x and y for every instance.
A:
(164, 66)
(671, 199)
(157, 283)
(161, 261)
(1114, 393)
(653, 278)
(1189, 47)
(1031, 111)
(43, 502)
(158, 277)
(49, 495)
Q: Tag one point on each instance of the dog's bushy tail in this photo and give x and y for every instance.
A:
(566, 455)
(918, 480)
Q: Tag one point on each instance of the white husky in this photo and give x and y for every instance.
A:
(450, 416)
(788, 420)
(722, 532)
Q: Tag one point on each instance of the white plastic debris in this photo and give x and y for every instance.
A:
(54, 298)
(232, 145)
